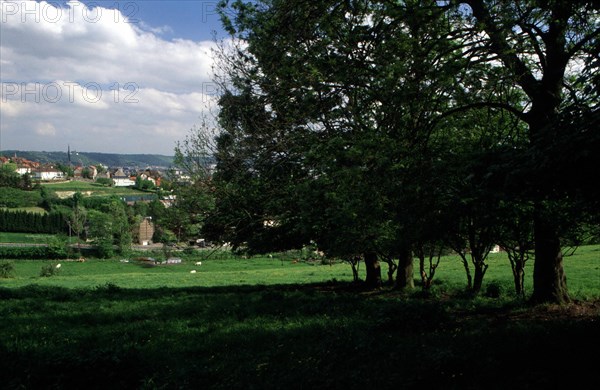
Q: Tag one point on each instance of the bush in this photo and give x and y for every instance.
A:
(104, 249)
(50, 270)
(105, 181)
(6, 270)
(57, 248)
(493, 290)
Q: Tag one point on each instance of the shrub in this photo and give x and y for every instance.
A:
(105, 181)
(6, 270)
(50, 270)
(104, 249)
(57, 247)
(493, 290)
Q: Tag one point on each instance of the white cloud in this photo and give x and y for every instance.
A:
(45, 129)
(96, 81)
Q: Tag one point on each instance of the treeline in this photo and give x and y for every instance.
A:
(91, 158)
(28, 222)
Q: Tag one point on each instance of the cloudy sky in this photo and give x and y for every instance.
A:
(105, 76)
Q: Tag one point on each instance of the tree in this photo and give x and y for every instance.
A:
(193, 196)
(86, 173)
(537, 43)
(378, 87)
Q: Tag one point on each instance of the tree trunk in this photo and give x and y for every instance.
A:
(391, 269)
(519, 276)
(549, 280)
(373, 270)
(405, 274)
(465, 262)
(480, 269)
(517, 265)
(425, 280)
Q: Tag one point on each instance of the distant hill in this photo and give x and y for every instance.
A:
(91, 158)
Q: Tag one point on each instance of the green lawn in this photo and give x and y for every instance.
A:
(211, 273)
(25, 238)
(582, 268)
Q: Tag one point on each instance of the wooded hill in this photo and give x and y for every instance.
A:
(92, 158)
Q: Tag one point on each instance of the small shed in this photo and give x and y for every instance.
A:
(146, 231)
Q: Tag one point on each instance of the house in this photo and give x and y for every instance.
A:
(121, 179)
(47, 173)
(21, 170)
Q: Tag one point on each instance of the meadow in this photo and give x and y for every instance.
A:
(91, 189)
(271, 323)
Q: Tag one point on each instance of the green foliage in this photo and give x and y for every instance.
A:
(104, 181)
(49, 270)
(15, 197)
(30, 252)
(58, 247)
(27, 222)
(7, 270)
(144, 184)
(104, 248)
(66, 169)
(360, 135)
(10, 178)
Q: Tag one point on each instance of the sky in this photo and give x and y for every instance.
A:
(105, 76)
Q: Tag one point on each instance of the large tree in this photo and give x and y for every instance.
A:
(546, 48)
(358, 99)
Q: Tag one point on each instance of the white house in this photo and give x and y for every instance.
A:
(48, 174)
(121, 179)
(23, 170)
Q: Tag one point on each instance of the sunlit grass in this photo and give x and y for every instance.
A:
(33, 209)
(582, 269)
(93, 189)
(25, 238)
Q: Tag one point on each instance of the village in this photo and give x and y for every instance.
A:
(120, 176)
(144, 194)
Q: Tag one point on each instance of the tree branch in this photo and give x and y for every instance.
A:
(503, 106)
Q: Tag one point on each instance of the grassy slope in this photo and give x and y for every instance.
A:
(259, 324)
(95, 189)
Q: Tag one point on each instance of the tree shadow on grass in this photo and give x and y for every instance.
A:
(326, 335)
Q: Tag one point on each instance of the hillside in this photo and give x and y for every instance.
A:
(92, 158)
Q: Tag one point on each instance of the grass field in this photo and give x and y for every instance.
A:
(277, 324)
(91, 189)
(25, 238)
(582, 268)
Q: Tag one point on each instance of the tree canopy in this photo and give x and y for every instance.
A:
(377, 128)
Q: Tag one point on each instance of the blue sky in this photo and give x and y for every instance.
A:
(188, 19)
(105, 76)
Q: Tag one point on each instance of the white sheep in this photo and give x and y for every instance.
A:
(193, 271)
(57, 266)
(198, 263)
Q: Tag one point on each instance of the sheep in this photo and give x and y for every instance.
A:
(193, 271)
(198, 263)
(57, 266)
